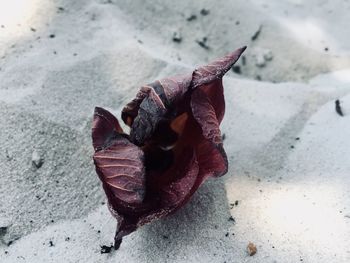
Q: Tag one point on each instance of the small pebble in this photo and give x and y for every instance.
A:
(3, 230)
(231, 218)
(244, 60)
(204, 12)
(191, 17)
(268, 55)
(260, 60)
(256, 34)
(251, 248)
(223, 136)
(106, 249)
(177, 37)
(37, 160)
(262, 56)
(203, 43)
(236, 69)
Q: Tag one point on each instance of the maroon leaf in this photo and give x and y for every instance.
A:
(104, 126)
(118, 162)
(186, 174)
(121, 168)
(211, 155)
(151, 111)
(216, 69)
(215, 93)
(174, 145)
(204, 114)
(212, 160)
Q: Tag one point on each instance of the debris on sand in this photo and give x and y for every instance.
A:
(60, 9)
(106, 249)
(262, 56)
(236, 69)
(177, 37)
(223, 136)
(191, 17)
(205, 12)
(203, 43)
(232, 219)
(338, 108)
(37, 160)
(256, 34)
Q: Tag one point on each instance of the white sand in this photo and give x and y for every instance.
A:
(294, 203)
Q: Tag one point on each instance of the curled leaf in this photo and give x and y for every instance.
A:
(119, 163)
(174, 145)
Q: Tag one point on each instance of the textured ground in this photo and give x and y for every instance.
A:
(288, 148)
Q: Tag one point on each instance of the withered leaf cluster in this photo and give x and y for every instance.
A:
(173, 146)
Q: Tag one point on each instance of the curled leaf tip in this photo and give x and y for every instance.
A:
(174, 144)
(216, 69)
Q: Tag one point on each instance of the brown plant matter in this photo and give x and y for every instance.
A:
(173, 146)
